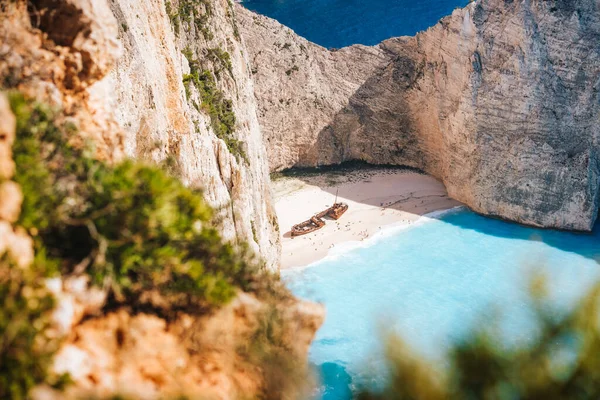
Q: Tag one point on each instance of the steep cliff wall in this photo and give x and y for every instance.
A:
(300, 85)
(66, 311)
(500, 101)
(182, 124)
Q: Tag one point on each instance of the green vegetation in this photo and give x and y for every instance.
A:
(132, 228)
(26, 345)
(560, 362)
(274, 223)
(219, 58)
(136, 231)
(231, 14)
(214, 103)
(196, 12)
(284, 375)
(189, 55)
(222, 58)
(254, 235)
(173, 17)
(172, 166)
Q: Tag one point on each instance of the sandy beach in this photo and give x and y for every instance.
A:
(376, 197)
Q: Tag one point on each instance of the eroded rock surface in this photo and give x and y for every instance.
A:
(147, 357)
(499, 101)
(300, 85)
(163, 123)
(57, 55)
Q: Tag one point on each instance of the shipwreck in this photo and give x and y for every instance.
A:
(317, 221)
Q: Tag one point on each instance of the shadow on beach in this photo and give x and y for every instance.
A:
(336, 180)
(420, 202)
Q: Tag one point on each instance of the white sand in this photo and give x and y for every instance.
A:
(376, 198)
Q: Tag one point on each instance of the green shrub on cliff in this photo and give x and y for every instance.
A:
(149, 241)
(131, 227)
(214, 102)
(188, 11)
(222, 60)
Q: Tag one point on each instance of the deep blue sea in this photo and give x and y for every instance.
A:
(339, 23)
(431, 283)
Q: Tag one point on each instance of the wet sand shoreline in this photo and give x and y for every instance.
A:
(377, 198)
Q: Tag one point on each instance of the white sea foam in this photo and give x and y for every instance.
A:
(434, 283)
(344, 248)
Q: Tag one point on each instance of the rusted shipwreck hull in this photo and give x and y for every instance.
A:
(337, 210)
(316, 222)
(308, 226)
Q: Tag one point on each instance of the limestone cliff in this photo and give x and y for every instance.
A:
(499, 100)
(300, 85)
(166, 120)
(117, 89)
(140, 110)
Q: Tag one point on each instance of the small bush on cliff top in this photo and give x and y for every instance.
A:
(133, 228)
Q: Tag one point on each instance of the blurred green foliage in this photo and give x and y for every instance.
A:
(138, 232)
(26, 344)
(561, 361)
(285, 376)
(133, 228)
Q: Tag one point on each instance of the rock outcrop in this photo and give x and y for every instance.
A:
(499, 101)
(142, 356)
(300, 86)
(58, 57)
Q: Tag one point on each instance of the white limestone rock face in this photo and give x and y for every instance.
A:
(499, 100)
(300, 85)
(163, 125)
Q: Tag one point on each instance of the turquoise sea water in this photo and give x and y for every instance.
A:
(339, 23)
(431, 282)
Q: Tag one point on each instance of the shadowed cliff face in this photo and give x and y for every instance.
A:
(499, 101)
